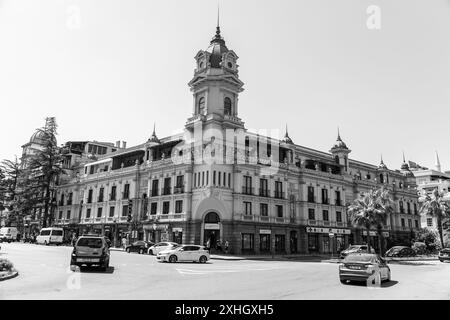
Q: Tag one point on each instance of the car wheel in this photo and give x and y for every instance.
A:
(173, 258)
(203, 259)
(128, 250)
(388, 276)
(150, 252)
(141, 251)
(441, 260)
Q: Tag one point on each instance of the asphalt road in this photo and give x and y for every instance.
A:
(44, 274)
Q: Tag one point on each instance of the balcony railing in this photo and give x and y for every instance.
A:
(178, 190)
(311, 199)
(338, 203)
(279, 194)
(248, 217)
(154, 193)
(166, 191)
(325, 201)
(247, 190)
(263, 192)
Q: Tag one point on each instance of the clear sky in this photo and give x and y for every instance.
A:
(110, 72)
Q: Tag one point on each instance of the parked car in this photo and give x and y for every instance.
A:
(188, 252)
(444, 255)
(160, 246)
(50, 235)
(8, 234)
(139, 246)
(360, 266)
(90, 251)
(400, 251)
(359, 248)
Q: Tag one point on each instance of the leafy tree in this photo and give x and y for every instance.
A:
(435, 205)
(371, 209)
(44, 169)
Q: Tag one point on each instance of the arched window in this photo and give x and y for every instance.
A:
(212, 217)
(381, 178)
(336, 159)
(227, 106)
(201, 105)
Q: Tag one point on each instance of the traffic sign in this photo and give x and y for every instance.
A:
(331, 235)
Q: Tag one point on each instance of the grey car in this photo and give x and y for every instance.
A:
(361, 266)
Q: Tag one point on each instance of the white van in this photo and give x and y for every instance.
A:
(50, 235)
(8, 234)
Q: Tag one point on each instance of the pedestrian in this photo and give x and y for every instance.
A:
(226, 246)
(124, 243)
(208, 245)
(218, 246)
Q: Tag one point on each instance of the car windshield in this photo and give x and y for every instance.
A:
(396, 249)
(360, 258)
(90, 242)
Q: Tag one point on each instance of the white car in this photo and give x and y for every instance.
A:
(187, 252)
(161, 246)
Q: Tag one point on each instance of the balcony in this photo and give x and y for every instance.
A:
(154, 193)
(168, 217)
(325, 201)
(263, 193)
(326, 223)
(338, 203)
(100, 199)
(264, 219)
(98, 220)
(178, 190)
(123, 219)
(112, 198)
(166, 191)
(279, 194)
(248, 217)
(247, 191)
(311, 199)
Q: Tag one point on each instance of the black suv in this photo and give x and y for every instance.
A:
(90, 251)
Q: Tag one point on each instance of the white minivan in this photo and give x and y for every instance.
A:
(8, 234)
(50, 235)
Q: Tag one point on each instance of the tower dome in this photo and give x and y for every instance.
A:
(404, 165)
(217, 48)
(40, 137)
(339, 144)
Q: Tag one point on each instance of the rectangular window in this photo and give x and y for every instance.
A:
(338, 216)
(153, 207)
(99, 212)
(325, 196)
(279, 209)
(415, 208)
(167, 184)
(263, 188)
(179, 206)
(429, 222)
(179, 185)
(155, 187)
(100, 194)
(338, 198)
(111, 211)
(219, 175)
(263, 209)
(207, 178)
(198, 179)
(279, 190)
(68, 215)
(247, 189)
(247, 208)
(124, 210)
(264, 242)
(60, 215)
(214, 177)
(166, 206)
(311, 194)
(195, 180)
(126, 191)
(89, 200)
(403, 222)
(224, 179)
(229, 180)
(416, 223)
(88, 213)
(311, 214)
(409, 223)
(325, 215)
(402, 210)
(113, 193)
(408, 207)
(91, 170)
(248, 241)
(69, 199)
(203, 178)
(280, 242)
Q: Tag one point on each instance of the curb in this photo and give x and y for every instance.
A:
(10, 276)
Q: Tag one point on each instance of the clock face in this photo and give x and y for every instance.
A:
(230, 65)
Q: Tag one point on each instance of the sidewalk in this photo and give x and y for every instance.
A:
(291, 257)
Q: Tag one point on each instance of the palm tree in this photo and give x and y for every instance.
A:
(435, 205)
(371, 209)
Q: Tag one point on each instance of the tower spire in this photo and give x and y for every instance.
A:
(339, 135)
(438, 163)
(218, 23)
(404, 161)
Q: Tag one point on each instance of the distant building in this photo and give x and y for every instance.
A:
(261, 194)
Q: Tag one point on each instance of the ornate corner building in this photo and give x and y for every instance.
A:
(217, 181)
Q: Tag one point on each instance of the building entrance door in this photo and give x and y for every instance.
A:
(212, 232)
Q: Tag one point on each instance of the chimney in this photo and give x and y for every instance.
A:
(118, 144)
(124, 144)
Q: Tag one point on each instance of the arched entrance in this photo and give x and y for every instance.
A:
(211, 229)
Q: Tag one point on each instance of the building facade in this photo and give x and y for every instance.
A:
(217, 181)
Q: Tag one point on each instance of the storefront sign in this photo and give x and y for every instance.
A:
(327, 230)
(152, 227)
(331, 235)
(265, 231)
(385, 234)
(212, 226)
(372, 233)
(177, 229)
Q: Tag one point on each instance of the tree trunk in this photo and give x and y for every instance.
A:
(46, 205)
(441, 235)
(368, 239)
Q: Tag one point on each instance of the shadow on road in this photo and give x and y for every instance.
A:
(387, 284)
(110, 270)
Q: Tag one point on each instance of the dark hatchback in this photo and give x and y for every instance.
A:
(400, 251)
(360, 266)
(139, 246)
(444, 255)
